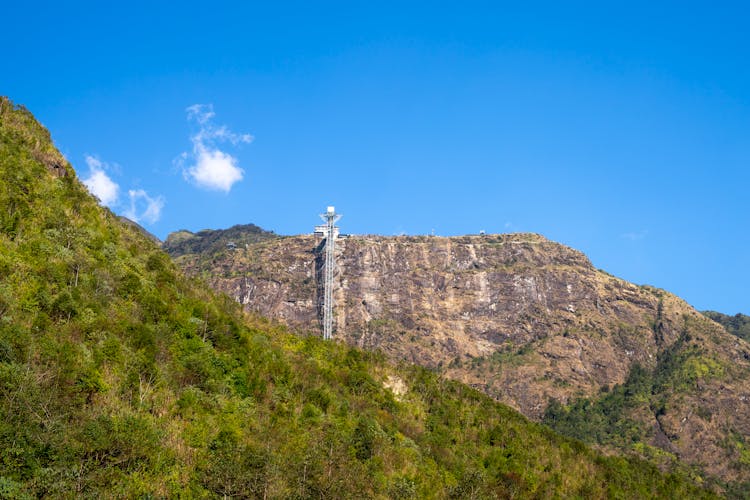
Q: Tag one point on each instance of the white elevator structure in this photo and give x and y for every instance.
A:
(330, 232)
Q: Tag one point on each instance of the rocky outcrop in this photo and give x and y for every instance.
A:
(448, 302)
(522, 318)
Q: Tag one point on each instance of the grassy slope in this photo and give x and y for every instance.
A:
(120, 377)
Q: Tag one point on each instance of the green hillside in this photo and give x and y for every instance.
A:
(212, 240)
(121, 378)
(738, 325)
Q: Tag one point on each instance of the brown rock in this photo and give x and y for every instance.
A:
(520, 317)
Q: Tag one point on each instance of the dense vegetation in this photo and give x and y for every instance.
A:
(118, 377)
(607, 419)
(212, 240)
(615, 420)
(738, 325)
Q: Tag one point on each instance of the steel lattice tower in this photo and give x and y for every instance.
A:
(329, 269)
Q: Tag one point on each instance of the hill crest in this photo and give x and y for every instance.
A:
(527, 321)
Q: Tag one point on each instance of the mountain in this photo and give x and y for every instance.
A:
(527, 321)
(120, 377)
(738, 325)
(185, 242)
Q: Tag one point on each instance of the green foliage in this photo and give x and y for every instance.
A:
(609, 419)
(210, 241)
(121, 378)
(604, 420)
(738, 325)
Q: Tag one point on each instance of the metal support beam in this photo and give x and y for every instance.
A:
(329, 269)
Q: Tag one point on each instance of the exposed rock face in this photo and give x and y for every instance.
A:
(522, 318)
(440, 302)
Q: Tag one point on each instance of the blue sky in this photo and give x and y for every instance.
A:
(620, 130)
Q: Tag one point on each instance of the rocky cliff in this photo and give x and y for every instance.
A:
(522, 318)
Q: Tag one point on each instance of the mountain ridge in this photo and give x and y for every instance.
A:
(527, 321)
(738, 324)
(209, 240)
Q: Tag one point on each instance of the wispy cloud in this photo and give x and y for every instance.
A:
(99, 183)
(207, 166)
(143, 207)
(635, 235)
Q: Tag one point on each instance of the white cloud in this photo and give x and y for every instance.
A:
(99, 183)
(140, 207)
(210, 167)
(214, 169)
(143, 207)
